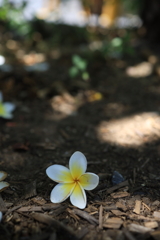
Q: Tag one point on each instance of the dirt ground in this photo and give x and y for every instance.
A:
(113, 119)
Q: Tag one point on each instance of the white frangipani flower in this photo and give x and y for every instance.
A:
(1, 215)
(3, 185)
(6, 108)
(72, 181)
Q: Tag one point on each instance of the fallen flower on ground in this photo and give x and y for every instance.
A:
(72, 181)
(6, 108)
(1, 215)
(3, 185)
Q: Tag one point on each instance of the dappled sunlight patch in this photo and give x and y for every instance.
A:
(65, 104)
(133, 131)
(143, 69)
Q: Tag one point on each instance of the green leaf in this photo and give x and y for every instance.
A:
(79, 62)
(73, 72)
(85, 75)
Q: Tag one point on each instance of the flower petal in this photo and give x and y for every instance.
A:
(9, 106)
(3, 175)
(77, 164)
(89, 181)
(59, 173)
(1, 215)
(78, 197)
(1, 96)
(61, 192)
(3, 186)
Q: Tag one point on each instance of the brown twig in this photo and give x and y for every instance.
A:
(101, 217)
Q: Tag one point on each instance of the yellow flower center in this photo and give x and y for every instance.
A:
(76, 180)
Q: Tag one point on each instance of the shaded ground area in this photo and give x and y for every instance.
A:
(113, 119)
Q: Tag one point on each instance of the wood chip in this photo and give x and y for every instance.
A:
(139, 217)
(109, 208)
(156, 203)
(146, 206)
(30, 190)
(53, 236)
(101, 217)
(121, 206)
(2, 205)
(113, 223)
(59, 210)
(39, 201)
(13, 209)
(137, 207)
(81, 233)
(8, 204)
(85, 216)
(128, 234)
(30, 209)
(156, 215)
(155, 235)
(138, 228)
(153, 224)
(120, 195)
(118, 212)
(40, 217)
(50, 206)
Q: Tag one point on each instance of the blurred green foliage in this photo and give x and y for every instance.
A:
(132, 6)
(79, 68)
(118, 46)
(12, 17)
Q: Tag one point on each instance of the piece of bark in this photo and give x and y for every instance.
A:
(30, 190)
(50, 206)
(101, 217)
(40, 217)
(152, 224)
(156, 215)
(30, 209)
(114, 223)
(120, 195)
(2, 205)
(138, 228)
(137, 207)
(85, 216)
(118, 213)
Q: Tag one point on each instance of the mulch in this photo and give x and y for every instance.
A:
(114, 120)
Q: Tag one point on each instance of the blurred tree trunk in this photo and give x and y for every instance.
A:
(150, 15)
(96, 6)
